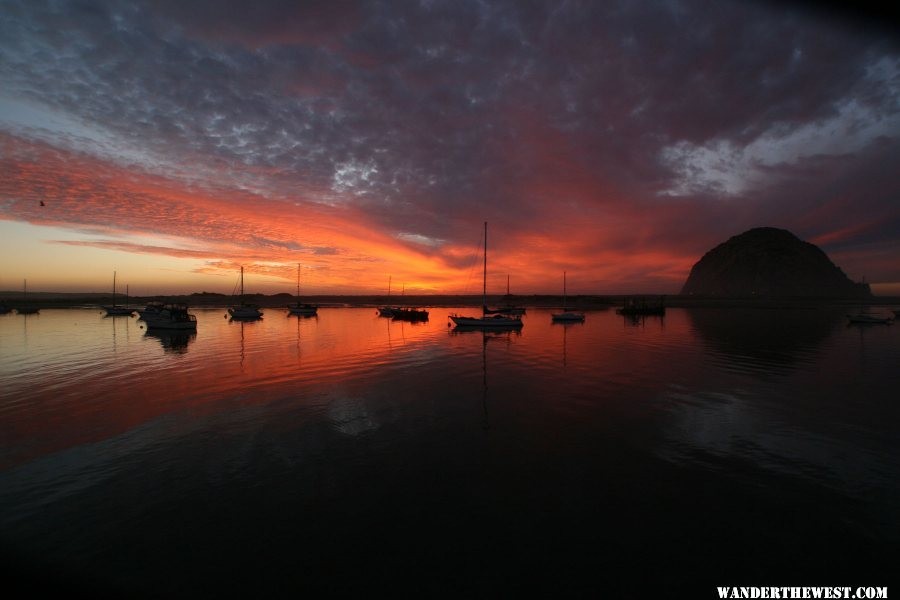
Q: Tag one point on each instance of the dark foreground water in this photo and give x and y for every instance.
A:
(348, 453)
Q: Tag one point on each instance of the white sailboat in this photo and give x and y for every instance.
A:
(243, 310)
(117, 311)
(487, 319)
(567, 316)
(302, 308)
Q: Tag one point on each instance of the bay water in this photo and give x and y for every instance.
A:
(349, 453)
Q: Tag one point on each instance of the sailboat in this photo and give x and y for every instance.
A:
(25, 309)
(298, 308)
(486, 319)
(509, 309)
(565, 315)
(243, 310)
(388, 310)
(117, 311)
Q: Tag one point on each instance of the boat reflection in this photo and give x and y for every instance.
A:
(173, 341)
(640, 320)
(492, 332)
(565, 329)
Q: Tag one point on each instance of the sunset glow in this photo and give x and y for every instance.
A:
(175, 142)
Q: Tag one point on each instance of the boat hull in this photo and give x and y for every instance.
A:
(245, 312)
(172, 325)
(869, 320)
(486, 322)
(568, 317)
(304, 310)
(409, 314)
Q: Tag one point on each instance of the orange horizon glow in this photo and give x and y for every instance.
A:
(159, 223)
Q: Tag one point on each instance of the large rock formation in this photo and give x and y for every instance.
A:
(769, 262)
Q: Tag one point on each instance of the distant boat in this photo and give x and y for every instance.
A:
(869, 319)
(566, 315)
(244, 310)
(486, 320)
(509, 309)
(400, 313)
(387, 311)
(117, 311)
(299, 308)
(24, 308)
(632, 307)
(171, 317)
(409, 314)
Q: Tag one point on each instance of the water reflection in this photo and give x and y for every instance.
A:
(565, 328)
(423, 436)
(764, 340)
(495, 335)
(172, 341)
(638, 320)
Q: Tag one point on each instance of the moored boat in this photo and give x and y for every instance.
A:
(566, 315)
(25, 308)
(114, 310)
(244, 310)
(387, 310)
(172, 317)
(302, 308)
(409, 314)
(867, 319)
(486, 319)
(636, 307)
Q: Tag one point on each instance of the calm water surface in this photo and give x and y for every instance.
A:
(348, 453)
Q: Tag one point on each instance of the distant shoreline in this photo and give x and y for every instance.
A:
(581, 302)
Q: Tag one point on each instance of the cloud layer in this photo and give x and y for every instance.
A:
(616, 141)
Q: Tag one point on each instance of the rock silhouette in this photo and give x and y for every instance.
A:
(770, 262)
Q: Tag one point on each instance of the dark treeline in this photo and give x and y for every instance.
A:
(597, 302)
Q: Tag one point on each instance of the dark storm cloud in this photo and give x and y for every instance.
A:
(674, 121)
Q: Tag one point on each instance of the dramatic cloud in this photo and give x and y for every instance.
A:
(616, 141)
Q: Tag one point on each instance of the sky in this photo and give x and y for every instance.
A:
(173, 142)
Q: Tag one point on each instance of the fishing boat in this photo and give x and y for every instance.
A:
(244, 310)
(486, 319)
(866, 319)
(388, 310)
(25, 308)
(117, 311)
(171, 317)
(301, 308)
(566, 315)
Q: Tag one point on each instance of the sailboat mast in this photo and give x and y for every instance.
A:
(298, 282)
(564, 291)
(242, 283)
(389, 288)
(484, 278)
(114, 289)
